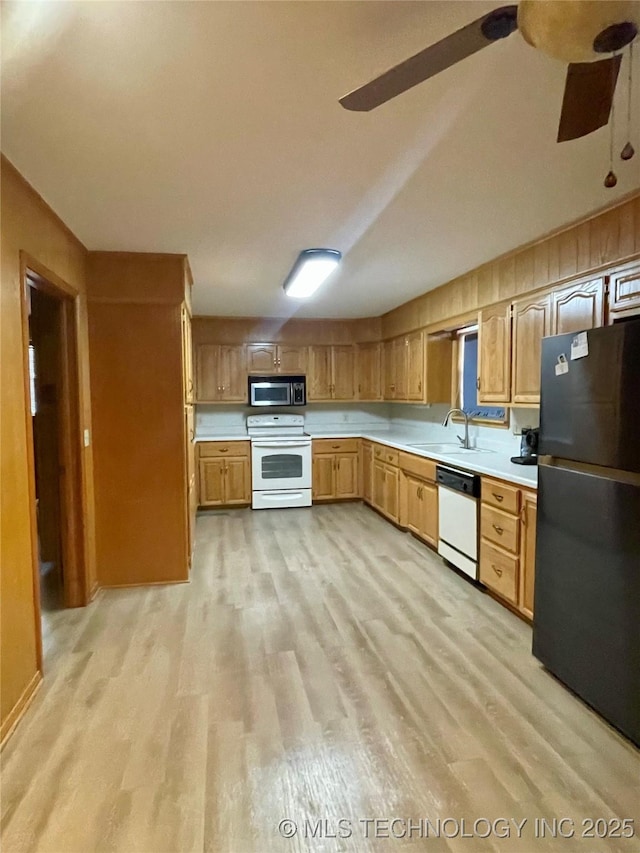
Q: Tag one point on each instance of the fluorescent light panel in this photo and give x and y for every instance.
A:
(312, 267)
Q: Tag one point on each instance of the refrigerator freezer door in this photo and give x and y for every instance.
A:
(590, 406)
(586, 627)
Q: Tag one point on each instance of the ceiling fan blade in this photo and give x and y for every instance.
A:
(588, 96)
(430, 61)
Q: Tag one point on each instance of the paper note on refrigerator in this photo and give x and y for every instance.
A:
(579, 346)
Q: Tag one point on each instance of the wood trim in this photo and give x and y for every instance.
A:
(73, 499)
(144, 583)
(19, 709)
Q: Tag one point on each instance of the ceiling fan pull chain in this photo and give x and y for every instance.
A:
(611, 180)
(628, 151)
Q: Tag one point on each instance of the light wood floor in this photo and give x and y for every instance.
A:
(320, 665)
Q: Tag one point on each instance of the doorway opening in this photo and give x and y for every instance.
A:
(51, 356)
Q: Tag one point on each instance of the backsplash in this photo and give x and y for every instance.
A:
(317, 415)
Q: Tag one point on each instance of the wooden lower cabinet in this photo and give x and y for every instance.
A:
(224, 470)
(508, 543)
(386, 489)
(419, 512)
(336, 469)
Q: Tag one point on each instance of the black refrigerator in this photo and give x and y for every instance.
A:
(586, 624)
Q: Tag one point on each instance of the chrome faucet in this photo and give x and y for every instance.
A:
(464, 441)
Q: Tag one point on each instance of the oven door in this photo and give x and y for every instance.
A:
(284, 464)
(269, 393)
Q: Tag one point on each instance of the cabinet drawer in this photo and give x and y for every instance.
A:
(385, 454)
(500, 527)
(501, 495)
(335, 445)
(223, 448)
(499, 571)
(418, 465)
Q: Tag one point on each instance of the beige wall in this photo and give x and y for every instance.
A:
(28, 226)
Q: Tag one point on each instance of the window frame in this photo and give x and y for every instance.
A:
(458, 366)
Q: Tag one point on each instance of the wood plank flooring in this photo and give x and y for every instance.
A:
(321, 666)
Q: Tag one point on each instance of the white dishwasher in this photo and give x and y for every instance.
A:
(458, 494)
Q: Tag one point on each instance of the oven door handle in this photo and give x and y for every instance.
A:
(276, 444)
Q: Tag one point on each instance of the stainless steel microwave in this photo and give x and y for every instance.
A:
(277, 391)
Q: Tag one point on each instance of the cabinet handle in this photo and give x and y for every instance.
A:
(498, 530)
(335, 446)
(223, 449)
(498, 497)
(496, 570)
(478, 383)
(419, 387)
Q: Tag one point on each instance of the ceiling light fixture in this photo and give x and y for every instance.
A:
(311, 268)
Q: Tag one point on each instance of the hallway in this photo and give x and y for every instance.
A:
(320, 665)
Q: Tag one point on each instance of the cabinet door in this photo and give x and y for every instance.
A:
(346, 475)
(292, 360)
(369, 371)
(208, 381)
(378, 485)
(237, 480)
(343, 372)
(262, 358)
(531, 322)
(413, 509)
(233, 370)
(528, 517)
(429, 500)
(389, 371)
(494, 354)
(578, 307)
(323, 477)
(392, 492)
(624, 290)
(187, 357)
(211, 482)
(319, 376)
(401, 367)
(415, 366)
(367, 472)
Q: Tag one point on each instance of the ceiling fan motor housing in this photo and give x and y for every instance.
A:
(578, 30)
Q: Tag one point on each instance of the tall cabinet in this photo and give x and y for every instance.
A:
(138, 309)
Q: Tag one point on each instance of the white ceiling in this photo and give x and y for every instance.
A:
(213, 128)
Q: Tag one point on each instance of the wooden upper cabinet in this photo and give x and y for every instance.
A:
(342, 372)
(331, 373)
(221, 373)
(276, 358)
(369, 371)
(578, 306)
(389, 366)
(261, 358)
(319, 376)
(494, 355)
(291, 359)
(207, 378)
(624, 291)
(400, 366)
(531, 322)
(415, 354)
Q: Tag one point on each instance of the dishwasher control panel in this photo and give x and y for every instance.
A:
(459, 481)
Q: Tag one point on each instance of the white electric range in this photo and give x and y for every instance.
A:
(280, 461)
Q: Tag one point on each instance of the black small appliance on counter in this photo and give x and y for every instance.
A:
(528, 448)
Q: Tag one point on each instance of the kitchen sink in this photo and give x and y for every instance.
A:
(449, 449)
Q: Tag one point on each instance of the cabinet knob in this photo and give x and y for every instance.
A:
(498, 530)
(223, 449)
(496, 570)
(498, 497)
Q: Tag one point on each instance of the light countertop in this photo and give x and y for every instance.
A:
(493, 464)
